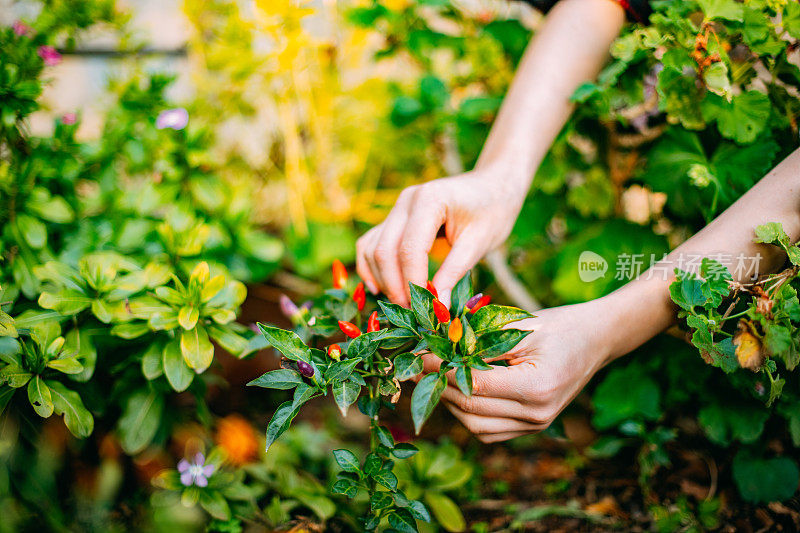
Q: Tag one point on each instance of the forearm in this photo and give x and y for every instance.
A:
(642, 308)
(568, 50)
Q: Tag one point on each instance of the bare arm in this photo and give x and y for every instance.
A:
(568, 50)
(644, 306)
(478, 208)
(571, 343)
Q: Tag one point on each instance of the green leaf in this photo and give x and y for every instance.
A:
(286, 342)
(405, 110)
(33, 231)
(282, 379)
(341, 370)
(188, 316)
(432, 92)
(347, 460)
(66, 402)
(141, 418)
(715, 285)
(380, 500)
(772, 233)
(372, 464)
(439, 346)
(498, 342)
(344, 394)
(152, 365)
(197, 350)
(491, 317)
(717, 80)
(14, 375)
(724, 423)
(404, 450)
(722, 9)
(67, 365)
(407, 365)
(302, 394)
(363, 346)
(425, 397)
(446, 511)
(398, 315)
(626, 393)
(68, 302)
(280, 422)
(39, 396)
(460, 294)
(347, 487)
(7, 327)
(402, 521)
(215, 504)
(743, 119)
(422, 306)
(464, 379)
(791, 19)
(765, 480)
(178, 373)
(387, 479)
(687, 292)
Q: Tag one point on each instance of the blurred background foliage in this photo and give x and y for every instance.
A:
(133, 240)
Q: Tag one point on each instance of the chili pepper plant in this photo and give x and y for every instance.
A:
(367, 370)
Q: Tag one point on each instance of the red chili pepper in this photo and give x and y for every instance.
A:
(335, 352)
(360, 296)
(372, 323)
(349, 329)
(483, 301)
(456, 330)
(441, 312)
(339, 274)
(432, 289)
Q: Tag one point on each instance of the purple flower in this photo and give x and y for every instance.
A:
(20, 28)
(69, 119)
(173, 118)
(195, 473)
(288, 307)
(50, 55)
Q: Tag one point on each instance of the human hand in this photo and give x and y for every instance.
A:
(547, 370)
(477, 209)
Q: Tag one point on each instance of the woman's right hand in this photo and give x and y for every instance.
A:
(477, 209)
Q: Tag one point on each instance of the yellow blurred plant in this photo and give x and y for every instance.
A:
(290, 83)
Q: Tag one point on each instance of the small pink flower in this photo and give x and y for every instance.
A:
(69, 119)
(196, 473)
(20, 28)
(50, 55)
(173, 118)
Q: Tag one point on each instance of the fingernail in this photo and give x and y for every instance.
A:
(372, 288)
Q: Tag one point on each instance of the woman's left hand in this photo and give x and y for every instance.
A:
(546, 371)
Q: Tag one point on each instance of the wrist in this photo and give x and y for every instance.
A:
(634, 314)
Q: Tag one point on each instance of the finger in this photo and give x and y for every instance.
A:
(363, 245)
(424, 220)
(491, 438)
(482, 406)
(462, 257)
(386, 248)
(431, 363)
(482, 425)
